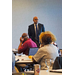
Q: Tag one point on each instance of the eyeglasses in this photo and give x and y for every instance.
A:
(36, 19)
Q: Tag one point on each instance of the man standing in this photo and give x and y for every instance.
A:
(35, 29)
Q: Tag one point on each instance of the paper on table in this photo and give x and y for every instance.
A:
(21, 54)
(22, 58)
(14, 49)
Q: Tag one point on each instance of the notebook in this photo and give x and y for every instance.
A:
(33, 51)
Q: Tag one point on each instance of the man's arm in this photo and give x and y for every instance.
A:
(43, 29)
(21, 41)
(29, 32)
(21, 47)
(19, 51)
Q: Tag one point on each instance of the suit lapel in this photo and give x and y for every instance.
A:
(33, 29)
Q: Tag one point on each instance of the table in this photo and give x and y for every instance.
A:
(22, 73)
(15, 51)
(44, 72)
(28, 61)
(23, 59)
(23, 62)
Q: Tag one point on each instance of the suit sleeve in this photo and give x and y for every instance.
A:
(29, 32)
(43, 29)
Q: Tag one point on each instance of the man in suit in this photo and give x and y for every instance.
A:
(35, 29)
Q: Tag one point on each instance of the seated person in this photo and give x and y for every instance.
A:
(53, 40)
(25, 44)
(13, 62)
(46, 51)
(57, 47)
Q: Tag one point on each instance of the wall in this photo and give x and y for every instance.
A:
(49, 13)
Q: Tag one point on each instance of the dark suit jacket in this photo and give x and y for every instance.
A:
(31, 31)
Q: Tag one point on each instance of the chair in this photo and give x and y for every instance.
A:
(16, 69)
(29, 67)
(57, 63)
(20, 67)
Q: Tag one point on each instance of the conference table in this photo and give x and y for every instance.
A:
(45, 72)
(23, 59)
(15, 51)
(42, 72)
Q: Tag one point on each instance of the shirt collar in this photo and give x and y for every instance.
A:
(35, 24)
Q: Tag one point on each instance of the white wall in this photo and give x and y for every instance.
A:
(49, 13)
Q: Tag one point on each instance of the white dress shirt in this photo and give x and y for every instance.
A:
(35, 27)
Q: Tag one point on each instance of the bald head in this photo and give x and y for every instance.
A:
(35, 20)
(24, 35)
(35, 17)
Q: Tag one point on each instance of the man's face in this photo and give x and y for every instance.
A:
(35, 19)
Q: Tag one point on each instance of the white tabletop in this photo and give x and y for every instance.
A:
(23, 59)
(15, 50)
(27, 61)
(45, 72)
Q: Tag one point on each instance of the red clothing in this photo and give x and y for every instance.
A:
(26, 45)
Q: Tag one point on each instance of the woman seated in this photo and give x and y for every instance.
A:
(47, 49)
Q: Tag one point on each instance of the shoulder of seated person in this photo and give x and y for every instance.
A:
(42, 48)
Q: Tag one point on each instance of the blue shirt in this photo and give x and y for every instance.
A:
(13, 61)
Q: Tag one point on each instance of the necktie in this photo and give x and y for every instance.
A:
(36, 33)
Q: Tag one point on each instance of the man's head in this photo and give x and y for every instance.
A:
(35, 20)
(25, 36)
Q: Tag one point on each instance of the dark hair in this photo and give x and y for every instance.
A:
(46, 39)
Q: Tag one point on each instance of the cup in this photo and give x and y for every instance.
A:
(49, 63)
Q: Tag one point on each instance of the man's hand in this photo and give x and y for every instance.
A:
(21, 39)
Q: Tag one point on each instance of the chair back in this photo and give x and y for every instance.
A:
(57, 63)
